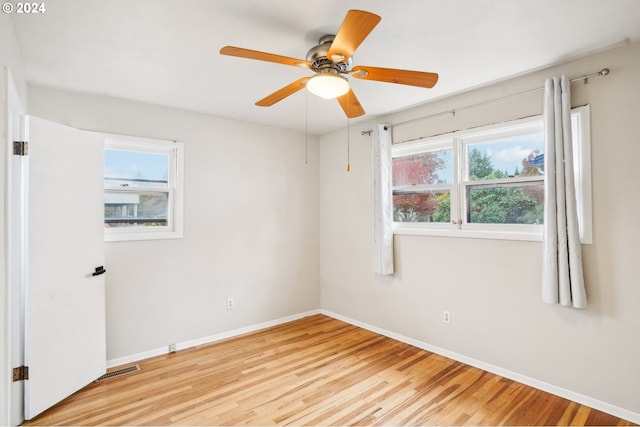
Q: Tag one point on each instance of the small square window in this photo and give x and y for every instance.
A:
(142, 189)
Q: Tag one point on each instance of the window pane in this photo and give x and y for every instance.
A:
(421, 207)
(135, 168)
(135, 210)
(520, 155)
(518, 203)
(432, 167)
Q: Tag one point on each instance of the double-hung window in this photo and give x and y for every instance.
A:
(142, 189)
(484, 182)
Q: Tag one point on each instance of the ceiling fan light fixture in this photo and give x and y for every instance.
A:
(328, 85)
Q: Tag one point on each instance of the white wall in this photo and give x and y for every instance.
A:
(492, 287)
(9, 60)
(251, 226)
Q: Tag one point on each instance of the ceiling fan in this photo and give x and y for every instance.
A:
(331, 59)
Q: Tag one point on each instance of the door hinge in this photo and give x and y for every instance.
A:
(20, 148)
(21, 373)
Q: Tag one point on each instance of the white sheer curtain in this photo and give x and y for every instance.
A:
(562, 276)
(382, 201)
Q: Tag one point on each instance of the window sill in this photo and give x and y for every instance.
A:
(468, 232)
(133, 236)
(532, 233)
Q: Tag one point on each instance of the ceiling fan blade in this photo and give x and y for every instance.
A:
(350, 104)
(390, 75)
(281, 94)
(354, 29)
(263, 56)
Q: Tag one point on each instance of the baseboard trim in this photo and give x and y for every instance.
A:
(541, 385)
(206, 340)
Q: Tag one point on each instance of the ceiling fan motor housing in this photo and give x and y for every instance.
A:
(317, 56)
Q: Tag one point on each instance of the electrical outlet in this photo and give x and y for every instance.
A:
(229, 303)
(172, 347)
(446, 317)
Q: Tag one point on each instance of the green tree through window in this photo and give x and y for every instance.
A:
(500, 205)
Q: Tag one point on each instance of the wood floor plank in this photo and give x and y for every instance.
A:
(314, 371)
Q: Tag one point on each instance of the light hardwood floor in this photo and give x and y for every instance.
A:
(314, 371)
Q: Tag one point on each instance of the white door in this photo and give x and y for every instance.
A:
(65, 345)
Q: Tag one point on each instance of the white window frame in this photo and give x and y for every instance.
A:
(458, 142)
(425, 146)
(174, 189)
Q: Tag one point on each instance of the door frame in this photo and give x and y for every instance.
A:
(14, 256)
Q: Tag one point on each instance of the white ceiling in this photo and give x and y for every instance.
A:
(166, 51)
